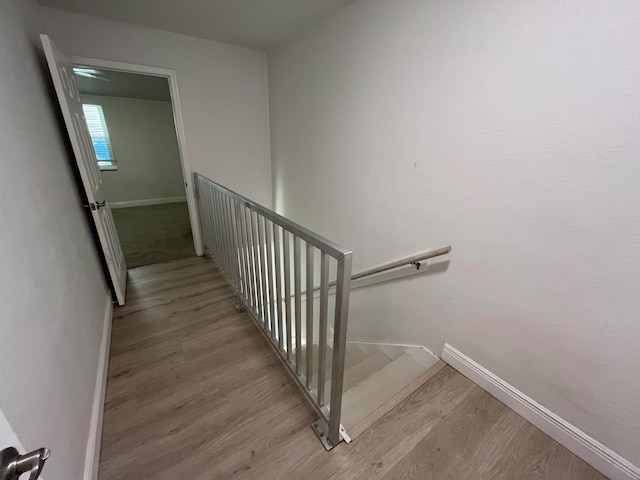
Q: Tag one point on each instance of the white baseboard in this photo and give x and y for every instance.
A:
(92, 460)
(590, 450)
(149, 201)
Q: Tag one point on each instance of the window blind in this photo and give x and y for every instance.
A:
(99, 135)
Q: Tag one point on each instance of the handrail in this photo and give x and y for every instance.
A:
(413, 260)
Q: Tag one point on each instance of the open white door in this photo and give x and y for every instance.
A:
(67, 90)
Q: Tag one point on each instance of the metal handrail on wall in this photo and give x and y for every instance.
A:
(255, 248)
(412, 260)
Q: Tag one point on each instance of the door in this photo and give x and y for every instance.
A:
(69, 98)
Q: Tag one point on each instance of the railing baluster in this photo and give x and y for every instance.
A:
(287, 291)
(247, 250)
(217, 228)
(322, 340)
(217, 223)
(223, 235)
(203, 224)
(256, 259)
(255, 263)
(278, 272)
(297, 288)
(210, 229)
(309, 271)
(241, 244)
(202, 213)
(270, 288)
(227, 227)
(224, 229)
(234, 242)
(263, 273)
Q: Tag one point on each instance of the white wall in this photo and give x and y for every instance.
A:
(144, 141)
(510, 130)
(52, 287)
(223, 92)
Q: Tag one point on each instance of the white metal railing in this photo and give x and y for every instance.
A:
(256, 249)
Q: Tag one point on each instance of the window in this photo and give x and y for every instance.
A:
(100, 136)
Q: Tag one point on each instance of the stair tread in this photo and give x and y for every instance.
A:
(316, 354)
(352, 357)
(359, 371)
(378, 388)
(402, 394)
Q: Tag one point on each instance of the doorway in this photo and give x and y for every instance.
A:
(131, 121)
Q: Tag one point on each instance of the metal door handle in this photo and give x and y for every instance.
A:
(12, 464)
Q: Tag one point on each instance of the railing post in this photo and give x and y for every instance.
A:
(343, 289)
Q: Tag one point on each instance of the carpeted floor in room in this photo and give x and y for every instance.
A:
(154, 234)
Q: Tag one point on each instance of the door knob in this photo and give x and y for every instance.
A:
(12, 464)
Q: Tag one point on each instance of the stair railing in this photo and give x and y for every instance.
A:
(260, 254)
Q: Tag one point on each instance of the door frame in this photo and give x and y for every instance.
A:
(187, 172)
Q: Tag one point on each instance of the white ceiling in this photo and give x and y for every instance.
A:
(259, 24)
(122, 84)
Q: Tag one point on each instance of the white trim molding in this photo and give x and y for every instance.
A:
(589, 449)
(92, 459)
(149, 201)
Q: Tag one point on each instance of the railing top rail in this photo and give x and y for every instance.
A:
(305, 234)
